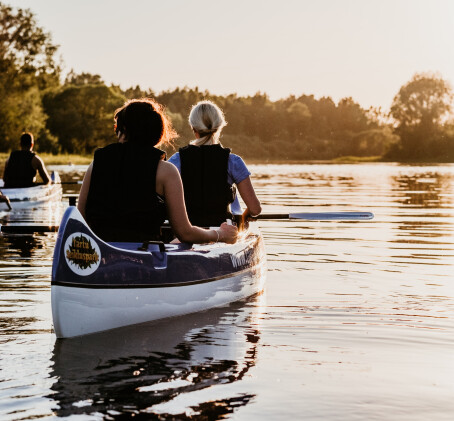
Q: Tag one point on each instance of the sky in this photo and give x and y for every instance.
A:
(364, 49)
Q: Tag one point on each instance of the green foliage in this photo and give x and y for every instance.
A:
(293, 128)
(82, 79)
(47, 142)
(420, 110)
(25, 47)
(27, 66)
(81, 116)
(137, 92)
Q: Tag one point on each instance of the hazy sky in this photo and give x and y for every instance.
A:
(366, 49)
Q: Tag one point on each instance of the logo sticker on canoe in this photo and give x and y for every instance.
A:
(82, 254)
(243, 258)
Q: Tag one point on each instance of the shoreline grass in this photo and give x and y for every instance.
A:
(61, 159)
(75, 159)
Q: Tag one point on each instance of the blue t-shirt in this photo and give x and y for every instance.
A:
(236, 173)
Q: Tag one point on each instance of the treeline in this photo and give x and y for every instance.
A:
(75, 115)
(295, 128)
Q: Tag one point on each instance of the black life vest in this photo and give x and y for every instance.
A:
(207, 193)
(19, 171)
(122, 203)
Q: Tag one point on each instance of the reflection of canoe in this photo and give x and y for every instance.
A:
(98, 286)
(144, 368)
(32, 196)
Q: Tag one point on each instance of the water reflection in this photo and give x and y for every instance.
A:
(32, 247)
(425, 189)
(24, 245)
(142, 369)
(49, 214)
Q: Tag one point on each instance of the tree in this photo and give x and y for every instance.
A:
(73, 78)
(419, 110)
(24, 44)
(81, 116)
(298, 117)
(137, 92)
(27, 65)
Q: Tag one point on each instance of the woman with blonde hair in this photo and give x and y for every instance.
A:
(209, 172)
(129, 190)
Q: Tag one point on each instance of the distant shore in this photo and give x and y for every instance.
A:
(74, 159)
(61, 159)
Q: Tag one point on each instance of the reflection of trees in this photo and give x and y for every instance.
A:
(424, 190)
(23, 245)
(129, 370)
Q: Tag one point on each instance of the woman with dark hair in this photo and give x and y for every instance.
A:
(129, 189)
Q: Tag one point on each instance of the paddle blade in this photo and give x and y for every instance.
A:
(333, 216)
(320, 216)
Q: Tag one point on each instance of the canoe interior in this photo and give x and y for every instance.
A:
(81, 259)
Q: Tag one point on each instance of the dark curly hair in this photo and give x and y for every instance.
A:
(143, 121)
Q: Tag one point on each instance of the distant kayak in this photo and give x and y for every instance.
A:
(98, 286)
(35, 195)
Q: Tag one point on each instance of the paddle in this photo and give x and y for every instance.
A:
(69, 182)
(309, 216)
(60, 182)
(320, 216)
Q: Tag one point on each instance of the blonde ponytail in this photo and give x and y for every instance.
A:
(208, 120)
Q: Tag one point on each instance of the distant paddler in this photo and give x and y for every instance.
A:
(22, 165)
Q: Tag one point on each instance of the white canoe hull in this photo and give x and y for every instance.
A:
(98, 310)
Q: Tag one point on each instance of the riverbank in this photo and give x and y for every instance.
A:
(62, 159)
(74, 159)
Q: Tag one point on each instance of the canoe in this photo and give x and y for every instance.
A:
(98, 286)
(35, 195)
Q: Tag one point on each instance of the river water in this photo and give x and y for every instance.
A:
(356, 321)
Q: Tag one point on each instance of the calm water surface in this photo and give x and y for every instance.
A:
(356, 322)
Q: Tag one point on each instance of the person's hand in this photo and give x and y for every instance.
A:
(228, 233)
(244, 219)
(248, 217)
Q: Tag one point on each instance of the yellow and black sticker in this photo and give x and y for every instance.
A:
(82, 253)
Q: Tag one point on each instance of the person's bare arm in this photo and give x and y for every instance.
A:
(38, 164)
(169, 185)
(83, 194)
(247, 192)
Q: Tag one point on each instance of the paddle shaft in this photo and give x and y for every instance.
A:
(320, 216)
(60, 182)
